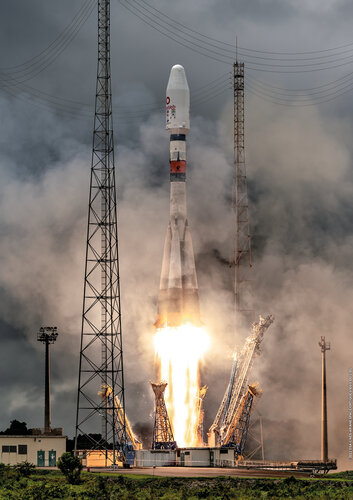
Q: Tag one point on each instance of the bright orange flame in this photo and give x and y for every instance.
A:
(180, 350)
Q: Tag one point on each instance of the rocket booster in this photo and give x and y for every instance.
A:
(178, 299)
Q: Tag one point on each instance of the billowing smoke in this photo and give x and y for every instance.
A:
(300, 187)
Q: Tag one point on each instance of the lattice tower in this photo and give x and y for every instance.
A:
(101, 353)
(162, 431)
(242, 259)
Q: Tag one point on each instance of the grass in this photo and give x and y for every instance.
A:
(43, 485)
(133, 475)
(346, 475)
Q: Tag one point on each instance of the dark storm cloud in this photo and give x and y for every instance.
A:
(301, 186)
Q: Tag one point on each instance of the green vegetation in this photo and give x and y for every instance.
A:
(25, 469)
(48, 484)
(17, 428)
(71, 467)
(347, 474)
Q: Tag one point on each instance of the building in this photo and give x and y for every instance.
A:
(188, 457)
(206, 457)
(155, 458)
(40, 450)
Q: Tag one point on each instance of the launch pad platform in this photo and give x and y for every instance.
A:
(211, 458)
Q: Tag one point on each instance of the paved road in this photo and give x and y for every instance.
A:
(203, 472)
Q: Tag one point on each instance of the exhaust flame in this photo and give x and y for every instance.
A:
(179, 351)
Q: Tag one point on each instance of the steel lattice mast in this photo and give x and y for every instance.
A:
(242, 248)
(101, 354)
(163, 438)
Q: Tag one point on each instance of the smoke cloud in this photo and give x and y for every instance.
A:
(300, 183)
(300, 178)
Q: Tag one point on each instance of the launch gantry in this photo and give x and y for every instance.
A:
(201, 414)
(113, 402)
(163, 438)
(232, 420)
(238, 430)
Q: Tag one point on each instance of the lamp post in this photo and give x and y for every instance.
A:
(47, 335)
(325, 346)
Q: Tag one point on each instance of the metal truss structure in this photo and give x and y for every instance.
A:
(201, 415)
(228, 414)
(242, 259)
(101, 352)
(239, 429)
(163, 438)
(255, 433)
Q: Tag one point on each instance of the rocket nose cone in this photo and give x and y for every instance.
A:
(177, 78)
(178, 101)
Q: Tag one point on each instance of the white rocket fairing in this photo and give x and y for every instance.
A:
(178, 299)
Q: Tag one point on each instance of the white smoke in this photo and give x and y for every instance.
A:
(300, 186)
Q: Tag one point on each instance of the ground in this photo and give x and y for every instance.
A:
(129, 485)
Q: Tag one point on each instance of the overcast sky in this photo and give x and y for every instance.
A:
(300, 169)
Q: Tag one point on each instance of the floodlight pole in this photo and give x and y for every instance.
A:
(47, 335)
(325, 346)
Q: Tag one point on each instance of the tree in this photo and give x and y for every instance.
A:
(71, 467)
(16, 428)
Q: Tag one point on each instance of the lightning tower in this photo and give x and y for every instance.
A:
(242, 259)
(101, 353)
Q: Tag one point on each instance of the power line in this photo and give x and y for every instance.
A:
(225, 44)
(73, 108)
(54, 42)
(222, 52)
(301, 94)
(30, 70)
(284, 102)
(143, 18)
(212, 96)
(327, 84)
(168, 30)
(38, 63)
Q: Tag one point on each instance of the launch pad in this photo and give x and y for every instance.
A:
(209, 458)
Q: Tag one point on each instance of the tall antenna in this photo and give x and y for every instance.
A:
(101, 353)
(242, 248)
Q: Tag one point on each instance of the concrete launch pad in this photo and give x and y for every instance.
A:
(211, 460)
(206, 472)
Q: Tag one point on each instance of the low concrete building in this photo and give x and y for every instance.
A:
(224, 457)
(40, 450)
(205, 457)
(155, 458)
(193, 457)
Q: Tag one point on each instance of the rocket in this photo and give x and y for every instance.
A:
(178, 298)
